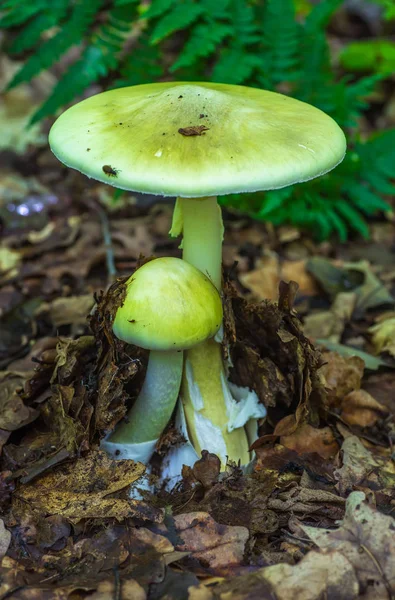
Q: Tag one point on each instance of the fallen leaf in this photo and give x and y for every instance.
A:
(14, 414)
(308, 439)
(5, 539)
(79, 490)
(329, 324)
(361, 467)
(72, 310)
(264, 279)
(366, 540)
(360, 408)
(216, 546)
(383, 336)
(371, 362)
(342, 375)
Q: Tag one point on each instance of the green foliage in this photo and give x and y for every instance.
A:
(252, 42)
(374, 55)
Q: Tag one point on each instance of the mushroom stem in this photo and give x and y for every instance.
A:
(205, 394)
(208, 405)
(200, 220)
(154, 405)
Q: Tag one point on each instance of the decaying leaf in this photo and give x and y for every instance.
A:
(214, 545)
(5, 539)
(342, 375)
(80, 490)
(360, 467)
(360, 408)
(307, 439)
(366, 539)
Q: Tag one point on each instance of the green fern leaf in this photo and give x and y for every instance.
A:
(50, 51)
(280, 43)
(319, 17)
(337, 223)
(352, 216)
(157, 8)
(365, 200)
(204, 40)
(31, 34)
(142, 65)
(19, 11)
(181, 17)
(101, 56)
(234, 66)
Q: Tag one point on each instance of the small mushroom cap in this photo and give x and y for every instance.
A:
(196, 139)
(169, 305)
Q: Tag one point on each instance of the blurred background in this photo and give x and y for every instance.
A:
(64, 236)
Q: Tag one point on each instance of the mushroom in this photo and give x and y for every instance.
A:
(169, 307)
(197, 141)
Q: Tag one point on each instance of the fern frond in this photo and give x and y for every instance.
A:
(19, 11)
(203, 41)
(50, 51)
(280, 43)
(99, 57)
(318, 18)
(238, 60)
(157, 8)
(142, 65)
(31, 34)
(181, 17)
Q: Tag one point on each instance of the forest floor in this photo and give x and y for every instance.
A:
(314, 519)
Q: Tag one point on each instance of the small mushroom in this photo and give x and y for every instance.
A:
(170, 306)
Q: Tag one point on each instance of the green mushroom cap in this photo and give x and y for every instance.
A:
(196, 139)
(169, 305)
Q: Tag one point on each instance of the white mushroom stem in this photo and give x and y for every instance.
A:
(205, 393)
(155, 404)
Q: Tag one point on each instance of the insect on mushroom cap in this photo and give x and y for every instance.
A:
(169, 305)
(197, 139)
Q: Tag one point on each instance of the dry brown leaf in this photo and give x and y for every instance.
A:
(219, 546)
(296, 270)
(360, 408)
(5, 539)
(360, 467)
(307, 439)
(264, 279)
(366, 539)
(342, 375)
(79, 491)
(13, 412)
(315, 577)
(68, 311)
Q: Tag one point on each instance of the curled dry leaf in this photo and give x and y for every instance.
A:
(14, 414)
(216, 546)
(360, 467)
(308, 439)
(342, 375)
(360, 408)
(366, 540)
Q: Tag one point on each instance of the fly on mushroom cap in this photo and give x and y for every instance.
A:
(247, 140)
(169, 305)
